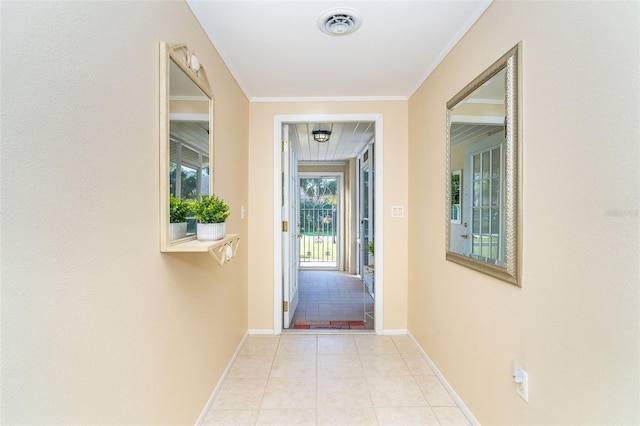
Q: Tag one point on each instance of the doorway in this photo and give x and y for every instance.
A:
(321, 236)
(351, 248)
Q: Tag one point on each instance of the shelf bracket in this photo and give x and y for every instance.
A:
(226, 250)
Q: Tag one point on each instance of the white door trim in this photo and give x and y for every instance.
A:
(278, 120)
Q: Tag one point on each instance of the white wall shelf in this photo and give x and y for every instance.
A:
(221, 250)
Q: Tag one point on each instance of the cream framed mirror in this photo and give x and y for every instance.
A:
(483, 154)
(186, 139)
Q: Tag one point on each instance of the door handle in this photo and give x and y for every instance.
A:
(465, 236)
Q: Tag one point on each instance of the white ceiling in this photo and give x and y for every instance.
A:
(481, 113)
(276, 50)
(347, 140)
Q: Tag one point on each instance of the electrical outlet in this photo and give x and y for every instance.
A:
(522, 384)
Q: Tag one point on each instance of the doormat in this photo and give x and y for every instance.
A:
(329, 325)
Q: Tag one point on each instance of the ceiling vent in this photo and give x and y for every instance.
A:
(339, 22)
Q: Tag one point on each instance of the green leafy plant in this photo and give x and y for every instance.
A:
(178, 209)
(211, 209)
(370, 248)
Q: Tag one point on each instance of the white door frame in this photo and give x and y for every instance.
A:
(362, 250)
(290, 212)
(278, 120)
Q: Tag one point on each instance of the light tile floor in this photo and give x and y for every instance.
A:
(332, 295)
(332, 379)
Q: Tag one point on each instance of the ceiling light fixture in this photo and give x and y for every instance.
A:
(339, 22)
(321, 136)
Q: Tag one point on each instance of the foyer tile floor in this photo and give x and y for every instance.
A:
(332, 295)
(332, 379)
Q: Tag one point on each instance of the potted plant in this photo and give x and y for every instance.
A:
(211, 213)
(178, 212)
(370, 249)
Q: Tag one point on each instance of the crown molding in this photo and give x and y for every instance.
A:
(331, 99)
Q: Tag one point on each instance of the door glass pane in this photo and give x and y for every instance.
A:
(493, 254)
(495, 191)
(485, 193)
(486, 220)
(476, 220)
(476, 194)
(476, 167)
(476, 244)
(495, 221)
(365, 193)
(495, 163)
(485, 165)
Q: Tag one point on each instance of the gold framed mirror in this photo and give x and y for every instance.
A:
(186, 142)
(483, 157)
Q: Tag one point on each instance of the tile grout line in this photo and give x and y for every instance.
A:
(375, 412)
(264, 391)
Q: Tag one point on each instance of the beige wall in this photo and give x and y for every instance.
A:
(574, 323)
(97, 325)
(261, 220)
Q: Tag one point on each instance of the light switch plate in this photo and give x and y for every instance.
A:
(397, 211)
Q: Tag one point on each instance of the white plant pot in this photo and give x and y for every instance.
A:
(211, 231)
(177, 230)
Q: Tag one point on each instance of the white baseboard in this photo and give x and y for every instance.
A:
(216, 390)
(465, 410)
(255, 331)
(395, 332)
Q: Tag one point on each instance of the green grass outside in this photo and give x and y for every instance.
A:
(489, 247)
